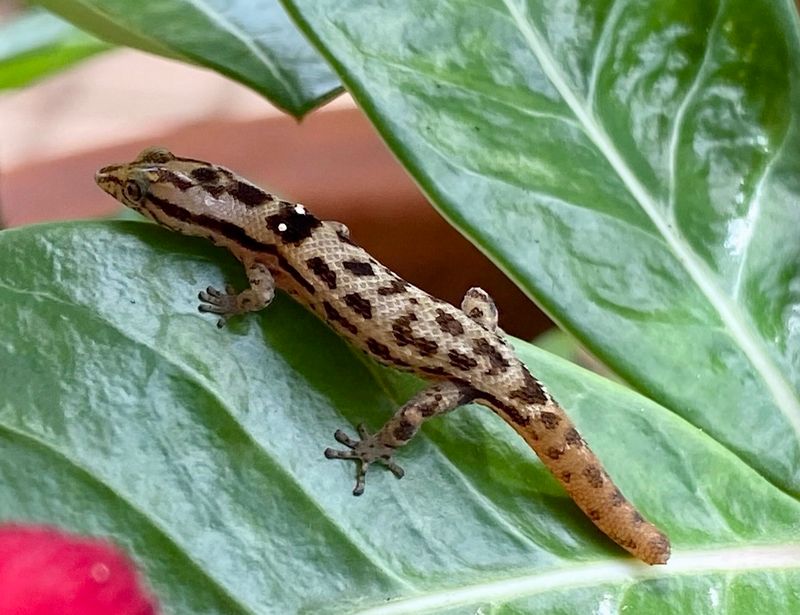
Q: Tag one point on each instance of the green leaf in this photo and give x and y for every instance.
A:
(633, 166)
(126, 413)
(38, 44)
(251, 41)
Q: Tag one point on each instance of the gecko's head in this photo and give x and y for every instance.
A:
(198, 198)
(175, 192)
(130, 183)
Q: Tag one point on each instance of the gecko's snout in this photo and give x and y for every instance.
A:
(108, 180)
(127, 185)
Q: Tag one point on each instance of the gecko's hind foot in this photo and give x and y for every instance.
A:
(224, 304)
(365, 451)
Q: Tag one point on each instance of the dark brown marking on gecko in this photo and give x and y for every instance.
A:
(435, 371)
(358, 268)
(395, 287)
(531, 392)
(637, 518)
(554, 452)
(379, 350)
(513, 414)
(181, 183)
(295, 274)
(573, 438)
(550, 420)
(660, 544)
(475, 313)
(448, 323)
(461, 361)
(425, 346)
(428, 410)
(485, 348)
(359, 305)
(519, 418)
(594, 475)
(335, 317)
(205, 175)
(401, 329)
(215, 190)
(404, 431)
(112, 179)
(617, 499)
(292, 226)
(248, 194)
(320, 269)
(595, 515)
(566, 476)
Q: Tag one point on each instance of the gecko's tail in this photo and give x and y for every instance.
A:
(549, 431)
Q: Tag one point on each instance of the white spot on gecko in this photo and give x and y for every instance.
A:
(300, 209)
(282, 227)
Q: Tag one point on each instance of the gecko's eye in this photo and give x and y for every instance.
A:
(133, 191)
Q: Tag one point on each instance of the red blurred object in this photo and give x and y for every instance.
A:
(45, 571)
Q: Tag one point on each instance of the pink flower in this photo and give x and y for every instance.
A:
(45, 571)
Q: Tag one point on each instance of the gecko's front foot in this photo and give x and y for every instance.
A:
(223, 304)
(364, 452)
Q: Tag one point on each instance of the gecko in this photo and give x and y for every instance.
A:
(462, 352)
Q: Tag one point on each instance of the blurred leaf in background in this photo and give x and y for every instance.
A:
(251, 41)
(37, 44)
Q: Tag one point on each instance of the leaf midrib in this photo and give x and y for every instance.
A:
(730, 314)
(603, 572)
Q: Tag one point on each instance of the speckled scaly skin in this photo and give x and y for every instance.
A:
(282, 245)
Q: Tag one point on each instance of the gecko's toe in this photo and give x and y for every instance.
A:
(342, 438)
(393, 467)
(361, 480)
(332, 453)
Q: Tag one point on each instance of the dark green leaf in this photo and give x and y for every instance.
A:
(634, 166)
(38, 44)
(126, 413)
(251, 41)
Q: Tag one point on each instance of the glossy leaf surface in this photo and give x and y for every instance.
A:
(251, 41)
(127, 414)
